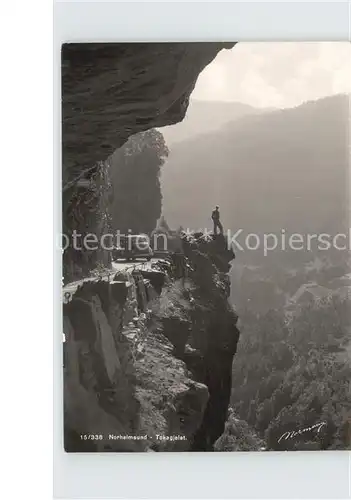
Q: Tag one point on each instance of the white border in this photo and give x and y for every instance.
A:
(26, 83)
(196, 21)
(235, 475)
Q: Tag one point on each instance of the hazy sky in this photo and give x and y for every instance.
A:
(279, 74)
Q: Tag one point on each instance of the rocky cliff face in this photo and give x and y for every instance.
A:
(148, 354)
(113, 90)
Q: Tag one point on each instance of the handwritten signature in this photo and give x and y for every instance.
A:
(292, 434)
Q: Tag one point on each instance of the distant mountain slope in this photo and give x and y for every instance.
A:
(206, 116)
(286, 169)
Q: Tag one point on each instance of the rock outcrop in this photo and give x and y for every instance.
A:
(147, 353)
(147, 361)
(113, 90)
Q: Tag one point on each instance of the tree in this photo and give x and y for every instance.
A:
(162, 224)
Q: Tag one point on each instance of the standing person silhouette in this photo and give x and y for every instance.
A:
(216, 222)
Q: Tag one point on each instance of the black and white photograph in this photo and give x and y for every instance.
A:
(206, 246)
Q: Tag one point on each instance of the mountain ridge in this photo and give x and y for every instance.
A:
(253, 169)
(207, 116)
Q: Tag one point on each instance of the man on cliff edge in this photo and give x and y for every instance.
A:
(216, 222)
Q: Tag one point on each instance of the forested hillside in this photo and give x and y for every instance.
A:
(135, 176)
(292, 372)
